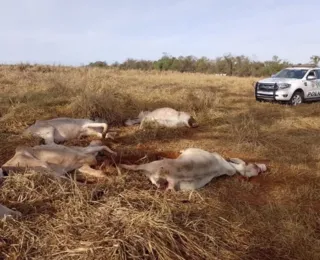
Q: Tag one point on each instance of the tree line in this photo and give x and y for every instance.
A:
(231, 65)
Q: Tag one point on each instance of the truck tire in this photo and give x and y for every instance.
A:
(297, 98)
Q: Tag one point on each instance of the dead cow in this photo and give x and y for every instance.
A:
(4, 211)
(61, 129)
(167, 117)
(57, 159)
(193, 169)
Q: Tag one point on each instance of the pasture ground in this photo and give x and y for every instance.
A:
(273, 216)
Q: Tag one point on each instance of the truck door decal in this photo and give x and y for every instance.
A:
(313, 94)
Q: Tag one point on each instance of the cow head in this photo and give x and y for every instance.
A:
(192, 122)
(247, 170)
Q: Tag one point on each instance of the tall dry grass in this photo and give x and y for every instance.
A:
(275, 216)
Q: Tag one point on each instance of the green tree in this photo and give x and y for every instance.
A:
(315, 59)
(202, 65)
(228, 64)
(98, 64)
(164, 63)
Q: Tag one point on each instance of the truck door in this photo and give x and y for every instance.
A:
(311, 87)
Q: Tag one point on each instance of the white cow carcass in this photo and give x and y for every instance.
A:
(4, 211)
(62, 129)
(193, 169)
(57, 159)
(165, 117)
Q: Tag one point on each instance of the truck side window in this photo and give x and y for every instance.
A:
(312, 73)
(318, 74)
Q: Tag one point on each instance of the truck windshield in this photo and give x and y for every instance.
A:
(291, 74)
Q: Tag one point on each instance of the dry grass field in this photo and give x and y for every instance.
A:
(272, 216)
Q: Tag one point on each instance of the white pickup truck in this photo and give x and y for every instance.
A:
(291, 85)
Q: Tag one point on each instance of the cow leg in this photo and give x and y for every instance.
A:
(111, 135)
(171, 184)
(98, 135)
(96, 149)
(143, 121)
(154, 180)
(92, 133)
(86, 169)
(104, 127)
(4, 211)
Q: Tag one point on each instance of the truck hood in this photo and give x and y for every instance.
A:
(277, 80)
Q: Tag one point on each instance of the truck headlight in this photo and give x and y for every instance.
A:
(283, 85)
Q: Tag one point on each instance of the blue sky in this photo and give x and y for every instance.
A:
(75, 32)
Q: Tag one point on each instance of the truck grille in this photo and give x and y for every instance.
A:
(268, 87)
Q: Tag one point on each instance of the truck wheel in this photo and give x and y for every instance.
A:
(296, 99)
